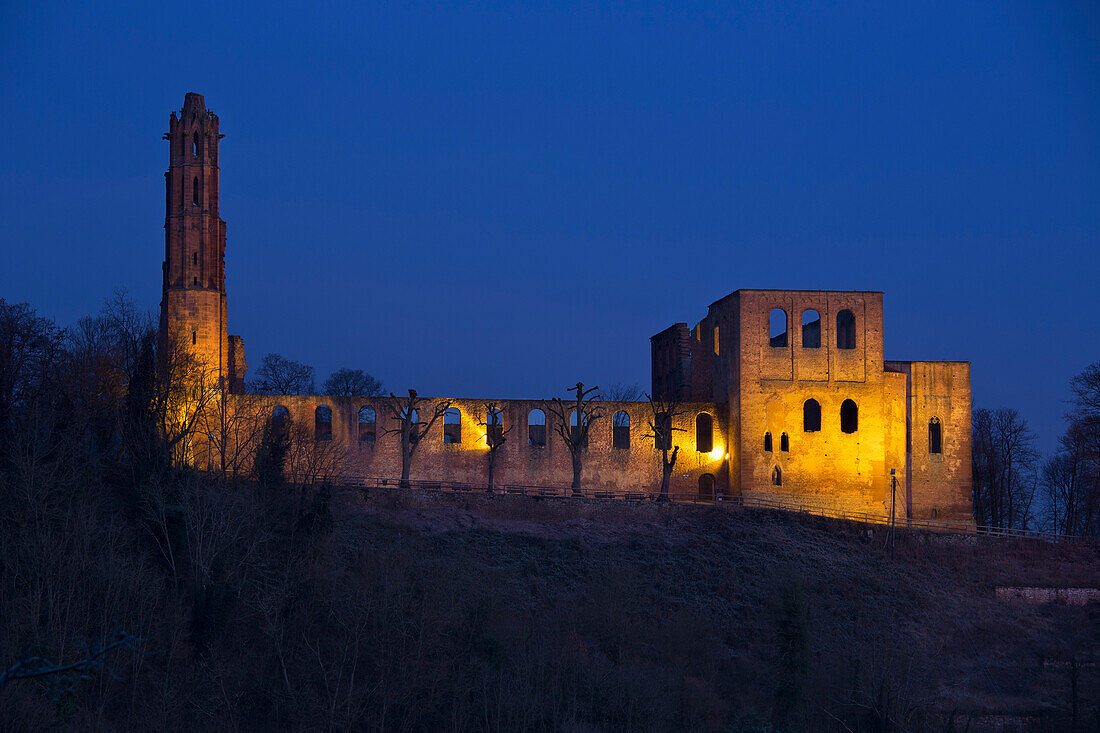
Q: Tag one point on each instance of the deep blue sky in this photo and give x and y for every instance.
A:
(502, 199)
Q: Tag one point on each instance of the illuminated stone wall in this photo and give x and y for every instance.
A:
(940, 482)
(729, 365)
(762, 384)
(605, 468)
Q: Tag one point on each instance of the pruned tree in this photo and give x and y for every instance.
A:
(496, 435)
(351, 383)
(585, 408)
(279, 375)
(663, 412)
(405, 413)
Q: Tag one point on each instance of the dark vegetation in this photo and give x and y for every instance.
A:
(138, 594)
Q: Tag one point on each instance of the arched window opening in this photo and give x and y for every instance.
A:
(412, 425)
(767, 442)
(494, 427)
(777, 476)
(845, 330)
(322, 423)
(536, 428)
(280, 416)
(452, 425)
(194, 258)
(706, 487)
(811, 329)
(777, 328)
(195, 145)
(195, 191)
(704, 433)
(784, 443)
(579, 436)
(367, 425)
(662, 438)
(935, 436)
(195, 280)
(811, 416)
(849, 417)
(194, 337)
(717, 351)
(620, 431)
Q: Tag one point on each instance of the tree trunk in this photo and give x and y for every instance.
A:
(576, 469)
(406, 462)
(492, 466)
(666, 474)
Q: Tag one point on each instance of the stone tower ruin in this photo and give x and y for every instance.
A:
(193, 305)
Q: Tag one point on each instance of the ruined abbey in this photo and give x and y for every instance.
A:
(782, 393)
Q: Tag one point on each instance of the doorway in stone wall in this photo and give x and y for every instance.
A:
(706, 487)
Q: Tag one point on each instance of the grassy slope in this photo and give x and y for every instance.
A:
(699, 615)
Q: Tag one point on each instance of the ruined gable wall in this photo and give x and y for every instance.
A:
(830, 467)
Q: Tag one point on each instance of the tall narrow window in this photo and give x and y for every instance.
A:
(845, 330)
(717, 350)
(194, 337)
(452, 426)
(767, 442)
(322, 423)
(935, 436)
(367, 425)
(412, 425)
(195, 191)
(811, 329)
(777, 476)
(579, 433)
(195, 145)
(494, 427)
(620, 427)
(662, 436)
(849, 417)
(704, 433)
(811, 416)
(777, 328)
(784, 443)
(536, 428)
(279, 418)
(194, 258)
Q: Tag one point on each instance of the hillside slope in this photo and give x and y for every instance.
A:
(638, 616)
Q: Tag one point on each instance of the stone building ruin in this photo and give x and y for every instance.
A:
(783, 393)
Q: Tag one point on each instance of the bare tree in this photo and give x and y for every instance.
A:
(661, 426)
(279, 375)
(232, 425)
(585, 408)
(1004, 459)
(496, 435)
(404, 411)
(351, 383)
(622, 392)
(1071, 477)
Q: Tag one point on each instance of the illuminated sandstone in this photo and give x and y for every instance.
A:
(752, 383)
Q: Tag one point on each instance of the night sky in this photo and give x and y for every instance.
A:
(499, 200)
